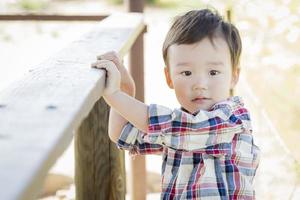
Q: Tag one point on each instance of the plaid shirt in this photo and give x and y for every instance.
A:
(208, 155)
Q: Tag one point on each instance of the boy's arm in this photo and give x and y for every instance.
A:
(133, 110)
(116, 121)
(118, 78)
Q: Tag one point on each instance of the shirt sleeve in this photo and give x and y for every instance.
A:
(132, 139)
(207, 130)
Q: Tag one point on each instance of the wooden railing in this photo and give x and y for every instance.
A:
(50, 17)
(59, 98)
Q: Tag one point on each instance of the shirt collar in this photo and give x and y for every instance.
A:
(234, 99)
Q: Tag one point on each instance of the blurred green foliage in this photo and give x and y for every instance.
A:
(121, 1)
(32, 5)
(297, 168)
(165, 3)
(115, 1)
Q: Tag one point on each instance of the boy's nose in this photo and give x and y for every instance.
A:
(200, 84)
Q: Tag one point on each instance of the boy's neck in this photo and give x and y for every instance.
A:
(185, 110)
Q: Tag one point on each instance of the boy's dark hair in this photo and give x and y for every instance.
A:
(197, 24)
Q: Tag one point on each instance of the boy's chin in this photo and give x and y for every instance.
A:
(203, 106)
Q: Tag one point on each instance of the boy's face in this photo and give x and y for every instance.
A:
(200, 73)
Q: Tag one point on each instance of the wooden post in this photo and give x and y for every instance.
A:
(228, 15)
(138, 163)
(137, 176)
(229, 7)
(103, 176)
(135, 5)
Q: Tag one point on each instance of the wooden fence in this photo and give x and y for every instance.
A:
(59, 98)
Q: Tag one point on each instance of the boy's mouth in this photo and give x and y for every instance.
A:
(200, 99)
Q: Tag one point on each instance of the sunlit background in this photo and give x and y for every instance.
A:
(270, 64)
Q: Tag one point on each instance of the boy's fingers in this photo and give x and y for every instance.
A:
(112, 55)
(106, 57)
(94, 64)
(101, 57)
(102, 64)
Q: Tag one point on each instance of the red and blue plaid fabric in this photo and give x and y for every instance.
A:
(209, 155)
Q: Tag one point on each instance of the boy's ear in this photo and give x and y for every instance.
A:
(168, 78)
(235, 77)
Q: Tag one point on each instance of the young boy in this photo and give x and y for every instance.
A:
(207, 145)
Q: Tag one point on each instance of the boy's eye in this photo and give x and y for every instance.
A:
(213, 72)
(186, 73)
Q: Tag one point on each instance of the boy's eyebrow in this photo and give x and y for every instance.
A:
(215, 63)
(183, 64)
(207, 63)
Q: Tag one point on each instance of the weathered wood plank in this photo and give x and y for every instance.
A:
(40, 112)
(50, 17)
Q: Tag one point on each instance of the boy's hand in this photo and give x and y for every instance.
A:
(113, 76)
(127, 83)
